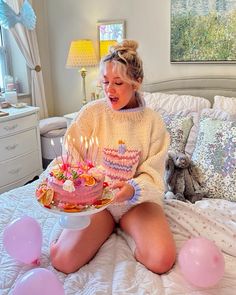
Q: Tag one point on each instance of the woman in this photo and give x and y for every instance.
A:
(123, 125)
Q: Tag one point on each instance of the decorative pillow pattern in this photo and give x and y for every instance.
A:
(179, 128)
(215, 157)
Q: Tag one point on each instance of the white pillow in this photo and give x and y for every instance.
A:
(173, 103)
(227, 104)
(52, 123)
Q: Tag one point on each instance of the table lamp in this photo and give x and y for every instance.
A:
(81, 54)
(105, 45)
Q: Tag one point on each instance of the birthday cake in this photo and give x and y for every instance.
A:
(70, 187)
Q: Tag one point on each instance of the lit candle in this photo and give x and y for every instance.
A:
(67, 147)
(90, 151)
(53, 144)
(61, 142)
(96, 150)
(82, 147)
(86, 150)
(73, 148)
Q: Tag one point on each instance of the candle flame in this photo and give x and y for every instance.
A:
(66, 146)
(81, 139)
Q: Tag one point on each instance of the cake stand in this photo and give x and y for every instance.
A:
(76, 220)
(80, 220)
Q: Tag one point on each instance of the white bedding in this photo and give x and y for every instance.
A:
(114, 269)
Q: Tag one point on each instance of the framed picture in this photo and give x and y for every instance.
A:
(203, 31)
(109, 33)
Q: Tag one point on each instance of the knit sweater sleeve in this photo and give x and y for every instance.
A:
(148, 181)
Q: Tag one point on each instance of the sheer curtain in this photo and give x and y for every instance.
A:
(28, 44)
(3, 66)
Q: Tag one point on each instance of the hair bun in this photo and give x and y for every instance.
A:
(125, 45)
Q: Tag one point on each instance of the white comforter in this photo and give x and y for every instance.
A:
(114, 269)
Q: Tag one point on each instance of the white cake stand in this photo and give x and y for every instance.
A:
(80, 220)
(76, 220)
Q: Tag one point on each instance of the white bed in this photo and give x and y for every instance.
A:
(114, 269)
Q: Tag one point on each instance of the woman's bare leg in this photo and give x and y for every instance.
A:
(75, 248)
(147, 225)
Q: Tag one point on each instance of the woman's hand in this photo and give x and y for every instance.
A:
(126, 191)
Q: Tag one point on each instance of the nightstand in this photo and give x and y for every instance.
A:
(20, 149)
(70, 117)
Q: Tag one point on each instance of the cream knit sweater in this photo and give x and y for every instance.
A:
(133, 145)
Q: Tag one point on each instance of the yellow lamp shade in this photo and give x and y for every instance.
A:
(105, 45)
(81, 54)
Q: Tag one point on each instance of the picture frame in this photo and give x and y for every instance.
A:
(203, 31)
(109, 33)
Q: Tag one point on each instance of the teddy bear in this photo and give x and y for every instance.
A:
(181, 181)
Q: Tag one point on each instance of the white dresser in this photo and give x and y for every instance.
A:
(20, 149)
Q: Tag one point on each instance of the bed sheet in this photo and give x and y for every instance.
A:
(114, 269)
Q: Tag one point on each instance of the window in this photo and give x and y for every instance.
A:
(13, 64)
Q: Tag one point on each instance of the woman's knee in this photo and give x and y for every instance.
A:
(158, 261)
(62, 261)
(64, 253)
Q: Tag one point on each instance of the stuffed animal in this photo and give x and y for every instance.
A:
(181, 182)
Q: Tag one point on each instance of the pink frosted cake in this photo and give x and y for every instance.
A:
(71, 187)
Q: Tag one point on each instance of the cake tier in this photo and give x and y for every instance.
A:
(84, 195)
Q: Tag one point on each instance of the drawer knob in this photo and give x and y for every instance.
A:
(10, 128)
(11, 147)
(15, 171)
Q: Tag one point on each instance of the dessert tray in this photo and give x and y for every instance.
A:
(79, 217)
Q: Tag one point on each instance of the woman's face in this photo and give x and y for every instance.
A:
(119, 94)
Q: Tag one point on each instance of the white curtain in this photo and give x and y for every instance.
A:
(28, 44)
(3, 66)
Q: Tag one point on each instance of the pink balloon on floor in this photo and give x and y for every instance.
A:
(39, 281)
(201, 262)
(22, 239)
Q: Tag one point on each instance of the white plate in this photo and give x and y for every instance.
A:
(107, 194)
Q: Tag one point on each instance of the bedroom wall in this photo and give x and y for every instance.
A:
(60, 21)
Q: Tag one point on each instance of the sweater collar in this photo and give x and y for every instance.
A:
(132, 114)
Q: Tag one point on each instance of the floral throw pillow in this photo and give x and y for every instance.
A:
(215, 157)
(178, 127)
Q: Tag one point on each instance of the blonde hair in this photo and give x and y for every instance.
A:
(126, 60)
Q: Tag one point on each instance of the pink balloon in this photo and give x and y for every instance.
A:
(38, 281)
(201, 262)
(22, 239)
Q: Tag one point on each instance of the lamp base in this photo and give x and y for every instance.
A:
(83, 75)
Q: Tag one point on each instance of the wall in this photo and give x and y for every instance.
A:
(60, 21)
